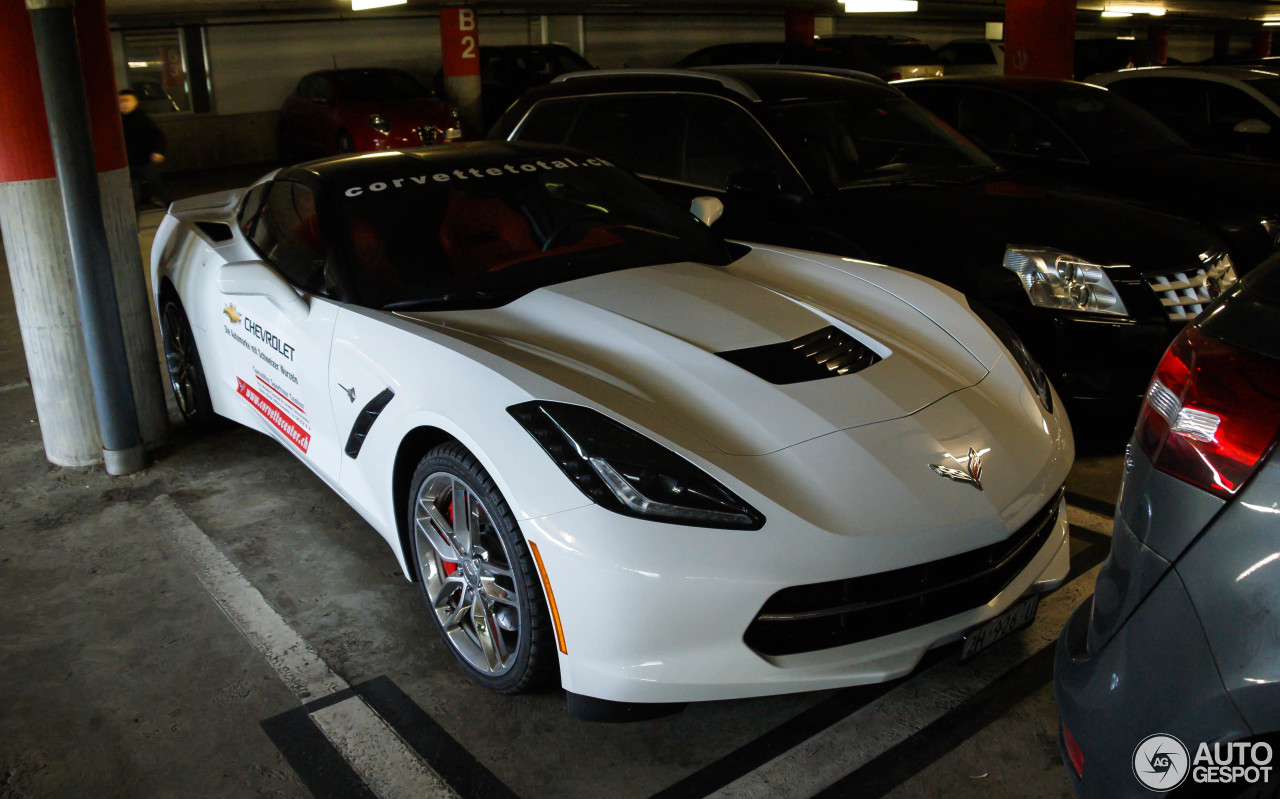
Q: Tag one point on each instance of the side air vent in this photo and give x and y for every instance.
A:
(829, 352)
(216, 231)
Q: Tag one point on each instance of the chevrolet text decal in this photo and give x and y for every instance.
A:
(475, 173)
(292, 432)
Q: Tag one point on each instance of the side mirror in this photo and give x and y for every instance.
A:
(707, 209)
(1252, 126)
(256, 279)
(754, 183)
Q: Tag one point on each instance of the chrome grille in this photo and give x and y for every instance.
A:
(1185, 294)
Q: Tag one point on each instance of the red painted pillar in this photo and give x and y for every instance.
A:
(1039, 38)
(1261, 44)
(1159, 38)
(800, 26)
(34, 231)
(460, 56)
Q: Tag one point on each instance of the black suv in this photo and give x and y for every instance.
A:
(832, 162)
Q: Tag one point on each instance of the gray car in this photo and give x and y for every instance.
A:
(1169, 677)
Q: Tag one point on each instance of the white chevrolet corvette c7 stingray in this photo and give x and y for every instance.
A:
(611, 446)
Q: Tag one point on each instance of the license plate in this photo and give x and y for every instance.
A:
(1015, 618)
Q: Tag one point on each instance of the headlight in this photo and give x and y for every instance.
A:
(1021, 355)
(380, 123)
(1054, 279)
(627, 473)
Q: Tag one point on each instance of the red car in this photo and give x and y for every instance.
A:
(359, 110)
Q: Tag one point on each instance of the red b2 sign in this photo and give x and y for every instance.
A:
(459, 42)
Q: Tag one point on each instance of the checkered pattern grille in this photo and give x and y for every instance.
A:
(1185, 294)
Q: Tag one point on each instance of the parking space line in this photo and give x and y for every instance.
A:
(313, 757)
(383, 761)
(910, 707)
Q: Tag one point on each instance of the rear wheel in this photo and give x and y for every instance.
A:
(182, 359)
(477, 575)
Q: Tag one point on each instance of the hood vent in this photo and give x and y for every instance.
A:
(829, 352)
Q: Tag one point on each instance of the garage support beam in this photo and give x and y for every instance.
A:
(1158, 35)
(53, 25)
(1039, 38)
(799, 26)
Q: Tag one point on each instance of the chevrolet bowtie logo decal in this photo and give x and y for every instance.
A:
(971, 474)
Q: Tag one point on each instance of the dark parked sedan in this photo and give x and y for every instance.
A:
(358, 110)
(1093, 138)
(508, 71)
(1095, 287)
(1180, 647)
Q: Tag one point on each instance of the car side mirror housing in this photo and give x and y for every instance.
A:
(754, 183)
(1255, 127)
(707, 209)
(256, 279)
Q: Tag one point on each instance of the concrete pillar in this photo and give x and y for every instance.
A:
(460, 52)
(799, 26)
(1039, 38)
(1261, 44)
(33, 227)
(1159, 38)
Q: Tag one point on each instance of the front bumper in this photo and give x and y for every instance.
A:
(649, 617)
(1155, 674)
(404, 136)
(1094, 361)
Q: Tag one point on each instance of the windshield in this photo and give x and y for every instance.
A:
(896, 54)
(865, 140)
(547, 63)
(482, 235)
(378, 87)
(1104, 124)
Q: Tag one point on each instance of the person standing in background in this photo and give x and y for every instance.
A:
(144, 143)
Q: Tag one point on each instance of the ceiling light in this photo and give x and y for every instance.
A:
(1116, 14)
(881, 6)
(1271, 24)
(362, 5)
(1122, 10)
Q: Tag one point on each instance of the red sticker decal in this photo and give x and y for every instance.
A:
(295, 434)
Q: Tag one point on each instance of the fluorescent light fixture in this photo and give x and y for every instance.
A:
(1275, 24)
(1119, 10)
(881, 6)
(364, 5)
(995, 30)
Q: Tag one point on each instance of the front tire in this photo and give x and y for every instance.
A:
(477, 575)
(182, 359)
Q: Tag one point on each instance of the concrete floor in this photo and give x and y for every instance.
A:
(122, 676)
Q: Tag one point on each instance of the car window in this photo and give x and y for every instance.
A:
(637, 132)
(973, 53)
(722, 140)
(1180, 103)
(1268, 88)
(317, 88)
(862, 138)
(434, 241)
(288, 235)
(1229, 106)
(1104, 124)
(250, 206)
(377, 86)
(1005, 125)
(551, 121)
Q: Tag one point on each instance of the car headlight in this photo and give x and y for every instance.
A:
(628, 473)
(1054, 279)
(1035, 373)
(1271, 224)
(380, 123)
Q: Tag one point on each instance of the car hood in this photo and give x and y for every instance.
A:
(642, 343)
(400, 112)
(926, 225)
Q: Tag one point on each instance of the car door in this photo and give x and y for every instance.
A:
(276, 365)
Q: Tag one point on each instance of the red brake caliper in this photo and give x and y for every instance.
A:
(449, 568)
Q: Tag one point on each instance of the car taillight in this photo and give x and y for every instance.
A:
(1211, 412)
(1073, 750)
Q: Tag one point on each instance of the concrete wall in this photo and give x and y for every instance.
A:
(253, 67)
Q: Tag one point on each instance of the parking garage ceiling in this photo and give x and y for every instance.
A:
(1193, 11)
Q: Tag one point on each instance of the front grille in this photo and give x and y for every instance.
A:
(829, 352)
(430, 134)
(1185, 294)
(806, 618)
